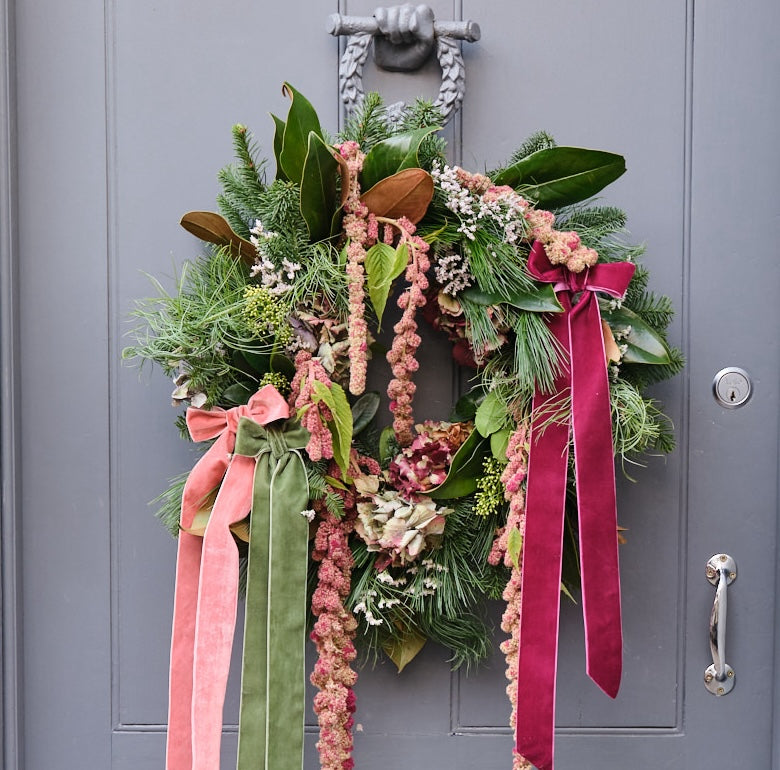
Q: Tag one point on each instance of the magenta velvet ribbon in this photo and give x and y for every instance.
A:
(579, 331)
(205, 603)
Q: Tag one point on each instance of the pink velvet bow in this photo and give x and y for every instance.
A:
(204, 614)
(579, 331)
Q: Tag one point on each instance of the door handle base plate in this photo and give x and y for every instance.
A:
(719, 687)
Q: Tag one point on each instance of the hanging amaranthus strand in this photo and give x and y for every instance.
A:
(513, 476)
(361, 229)
(401, 355)
(316, 416)
(335, 628)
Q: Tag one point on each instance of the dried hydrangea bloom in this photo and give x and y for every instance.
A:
(399, 529)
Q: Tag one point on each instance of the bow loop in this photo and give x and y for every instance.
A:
(252, 439)
(609, 277)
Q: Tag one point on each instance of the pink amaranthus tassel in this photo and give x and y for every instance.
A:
(335, 629)
(317, 415)
(362, 230)
(512, 478)
(401, 355)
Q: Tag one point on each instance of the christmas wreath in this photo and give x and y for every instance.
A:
(382, 538)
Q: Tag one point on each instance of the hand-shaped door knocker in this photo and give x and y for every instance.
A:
(404, 37)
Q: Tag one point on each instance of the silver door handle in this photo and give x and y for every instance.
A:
(719, 677)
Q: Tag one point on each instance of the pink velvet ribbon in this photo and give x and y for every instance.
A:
(205, 602)
(584, 375)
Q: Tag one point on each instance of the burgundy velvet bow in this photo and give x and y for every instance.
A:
(579, 331)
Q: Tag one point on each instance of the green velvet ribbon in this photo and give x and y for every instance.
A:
(270, 733)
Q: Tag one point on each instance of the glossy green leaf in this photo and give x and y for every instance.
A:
(392, 155)
(465, 469)
(301, 121)
(280, 363)
(279, 126)
(645, 344)
(363, 411)
(387, 444)
(514, 546)
(341, 425)
(491, 415)
(258, 363)
(237, 394)
(383, 264)
(499, 441)
(466, 406)
(318, 188)
(541, 300)
(560, 176)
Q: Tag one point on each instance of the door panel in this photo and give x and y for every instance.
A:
(124, 113)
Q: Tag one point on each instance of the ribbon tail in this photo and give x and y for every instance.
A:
(273, 680)
(179, 739)
(541, 571)
(595, 474)
(216, 616)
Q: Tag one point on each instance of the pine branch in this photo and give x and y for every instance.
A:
(540, 140)
(368, 124)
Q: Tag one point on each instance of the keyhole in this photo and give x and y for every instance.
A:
(733, 395)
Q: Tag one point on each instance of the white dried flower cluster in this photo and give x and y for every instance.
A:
(308, 515)
(361, 606)
(452, 272)
(277, 280)
(501, 205)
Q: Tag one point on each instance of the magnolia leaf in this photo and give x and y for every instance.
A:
(514, 546)
(241, 529)
(405, 194)
(466, 406)
(201, 517)
(279, 126)
(280, 363)
(499, 441)
(560, 176)
(363, 411)
(391, 155)
(344, 174)
(341, 425)
(541, 300)
(491, 414)
(387, 444)
(257, 363)
(318, 187)
(237, 394)
(611, 349)
(402, 650)
(465, 469)
(301, 121)
(645, 344)
(383, 264)
(213, 228)
(566, 592)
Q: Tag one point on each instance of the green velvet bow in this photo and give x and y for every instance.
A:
(270, 735)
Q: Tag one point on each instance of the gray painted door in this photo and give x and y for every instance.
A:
(121, 118)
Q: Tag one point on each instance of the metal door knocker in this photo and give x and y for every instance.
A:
(404, 37)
